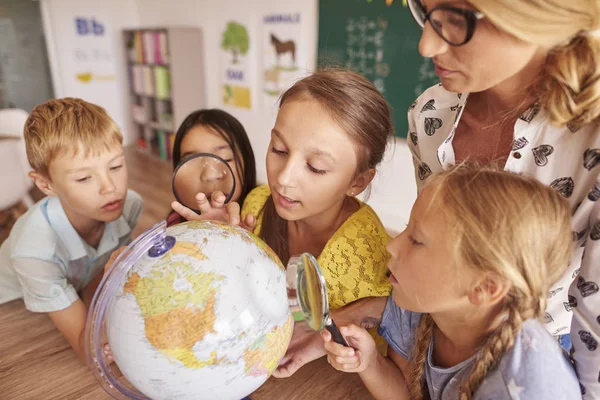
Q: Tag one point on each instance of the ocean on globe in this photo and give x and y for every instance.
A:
(208, 319)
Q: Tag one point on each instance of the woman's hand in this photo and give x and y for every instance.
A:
(214, 209)
(356, 359)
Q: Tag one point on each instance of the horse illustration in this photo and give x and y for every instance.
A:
(284, 47)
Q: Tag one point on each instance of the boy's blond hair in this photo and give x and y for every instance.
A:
(61, 126)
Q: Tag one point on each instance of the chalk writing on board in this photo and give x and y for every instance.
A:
(426, 75)
(364, 47)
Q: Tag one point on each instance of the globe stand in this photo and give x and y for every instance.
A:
(250, 283)
(161, 246)
(155, 242)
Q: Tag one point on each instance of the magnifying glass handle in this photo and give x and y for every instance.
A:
(335, 333)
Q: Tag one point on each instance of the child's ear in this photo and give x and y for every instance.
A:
(489, 291)
(42, 182)
(360, 182)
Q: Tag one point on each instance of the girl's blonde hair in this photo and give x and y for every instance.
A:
(503, 225)
(570, 85)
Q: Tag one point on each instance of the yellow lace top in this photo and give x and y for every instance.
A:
(354, 260)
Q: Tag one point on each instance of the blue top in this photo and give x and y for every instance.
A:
(46, 262)
(534, 368)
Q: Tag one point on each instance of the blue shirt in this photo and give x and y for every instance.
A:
(534, 368)
(46, 262)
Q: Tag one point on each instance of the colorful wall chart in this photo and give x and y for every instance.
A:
(284, 55)
(236, 65)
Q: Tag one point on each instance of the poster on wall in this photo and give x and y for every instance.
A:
(283, 55)
(92, 54)
(236, 61)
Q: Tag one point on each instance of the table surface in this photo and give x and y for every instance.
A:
(36, 362)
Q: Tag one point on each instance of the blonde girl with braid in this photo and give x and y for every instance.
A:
(470, 278)
(520, 89)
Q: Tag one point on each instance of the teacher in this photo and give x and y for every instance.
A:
(520, 88)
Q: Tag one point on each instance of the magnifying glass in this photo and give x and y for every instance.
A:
(307, 295)
(202, 173)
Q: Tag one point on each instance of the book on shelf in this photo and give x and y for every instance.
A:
(163, 84)
(139, 52)
(157, 97)
(165, 144)
(148, 78)
(138, 79)
(162, 144)
(147, 47)
(148, 42)
(138, 113)
(161, 52)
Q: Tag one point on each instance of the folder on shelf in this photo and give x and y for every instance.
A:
(137, 40)
(148, 47)
(163, 48)
(148, 80)
(163, 84)
(130, 46)
(156, 48)
(138, 113)
(138, 79)
(162, 144)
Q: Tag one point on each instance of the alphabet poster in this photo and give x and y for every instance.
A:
(236, 60)
(284, 54)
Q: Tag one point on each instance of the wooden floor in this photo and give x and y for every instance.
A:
(37, 363)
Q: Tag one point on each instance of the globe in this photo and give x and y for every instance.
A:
(198, 310)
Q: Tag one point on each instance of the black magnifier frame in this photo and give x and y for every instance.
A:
(204, 155)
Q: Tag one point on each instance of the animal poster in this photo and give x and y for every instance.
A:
(284, 58)
(236, 60)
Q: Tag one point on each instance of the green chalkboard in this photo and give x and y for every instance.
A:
(380, 42)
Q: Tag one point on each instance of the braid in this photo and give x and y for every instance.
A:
(500, 342)
(419, 357)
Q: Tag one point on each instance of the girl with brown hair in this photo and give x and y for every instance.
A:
(331, 133)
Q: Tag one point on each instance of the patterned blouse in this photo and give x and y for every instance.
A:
(568, 160)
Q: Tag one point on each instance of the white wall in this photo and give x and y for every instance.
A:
(394, 188)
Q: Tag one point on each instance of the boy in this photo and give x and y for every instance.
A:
(55, 254)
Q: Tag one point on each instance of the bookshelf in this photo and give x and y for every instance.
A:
(166, 83)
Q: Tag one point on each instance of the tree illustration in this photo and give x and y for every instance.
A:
(236, 40)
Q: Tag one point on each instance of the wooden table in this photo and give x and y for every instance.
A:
(36, 362)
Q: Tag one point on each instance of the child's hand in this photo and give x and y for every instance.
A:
(215, 209)
(249, 223)
(356, 359)
(108, 355)
(306, 346)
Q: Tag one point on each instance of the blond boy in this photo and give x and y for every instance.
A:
(55, 254)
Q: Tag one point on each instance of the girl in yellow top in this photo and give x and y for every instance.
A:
(353, 259)
(331, 132)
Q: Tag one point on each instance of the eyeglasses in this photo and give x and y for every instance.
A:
(455, 25)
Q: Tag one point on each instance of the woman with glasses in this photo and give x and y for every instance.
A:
(520, 89)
